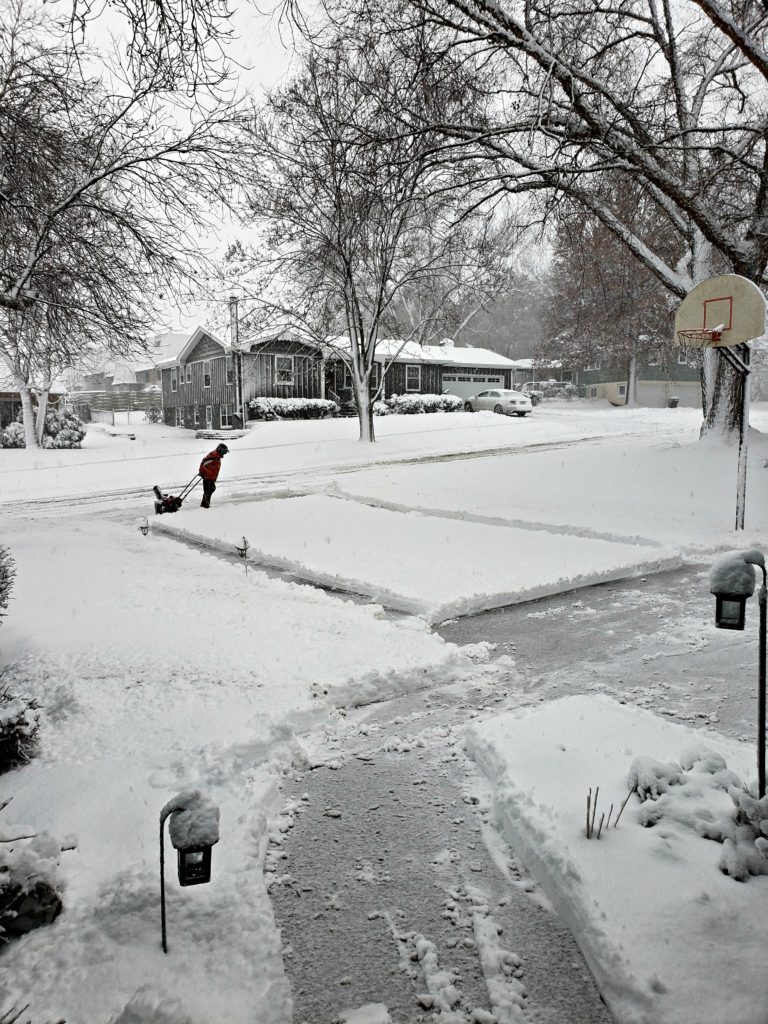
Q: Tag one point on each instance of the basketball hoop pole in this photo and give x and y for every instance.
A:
(740, 362)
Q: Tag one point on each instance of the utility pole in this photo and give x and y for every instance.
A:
(234, 338)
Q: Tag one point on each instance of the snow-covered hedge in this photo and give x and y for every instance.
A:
(61, 430)
(291, 408)
(7, 576)
(408, 404)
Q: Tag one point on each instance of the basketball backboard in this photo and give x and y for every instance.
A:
(726, 310)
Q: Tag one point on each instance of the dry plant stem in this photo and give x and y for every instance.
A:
(600, 826)
(608, 822)
(594, 812)
(624, 804)
(589, 799)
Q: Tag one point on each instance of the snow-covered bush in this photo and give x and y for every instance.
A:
(29, 883)
(291, 408)
(19, 723)
(381, 409)
(12, 436)
(154, 414)
(411, 404)
(693, 798)
(61, 430)
(7, 576)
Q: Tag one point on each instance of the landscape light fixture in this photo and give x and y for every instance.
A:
(194, 831)
(144, 526)
(732, 581)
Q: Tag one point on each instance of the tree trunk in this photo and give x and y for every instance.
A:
(28, 413)
(364, 409)
(632, 382)
(42, 409)
(721, 397)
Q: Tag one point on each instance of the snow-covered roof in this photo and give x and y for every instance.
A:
(530, 364)
(446, 353)
(187, 345)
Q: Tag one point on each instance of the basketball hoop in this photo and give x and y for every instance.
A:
(700, 338)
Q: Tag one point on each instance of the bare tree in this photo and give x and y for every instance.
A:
(362, 228)
(105, 177)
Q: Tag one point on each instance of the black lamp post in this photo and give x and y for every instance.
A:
(194, 830)
(732, 581)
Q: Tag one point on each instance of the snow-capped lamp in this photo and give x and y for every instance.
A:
(242, 550)
(144, 526)
(732, 581)
(194, 831)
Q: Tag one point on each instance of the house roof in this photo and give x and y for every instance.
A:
(188, 343)
(446, 353)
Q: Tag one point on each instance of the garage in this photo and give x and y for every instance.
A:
(467, 384)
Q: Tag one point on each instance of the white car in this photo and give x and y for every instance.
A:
(510, 403)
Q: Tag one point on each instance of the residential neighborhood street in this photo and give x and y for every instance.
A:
(369, 870)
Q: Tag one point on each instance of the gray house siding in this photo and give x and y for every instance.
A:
(262, 371)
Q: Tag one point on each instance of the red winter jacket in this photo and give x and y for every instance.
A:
(210, 466)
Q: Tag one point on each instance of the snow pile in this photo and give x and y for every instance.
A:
(434, 567)
(650, 906)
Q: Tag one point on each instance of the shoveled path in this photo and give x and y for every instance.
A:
(393, 843)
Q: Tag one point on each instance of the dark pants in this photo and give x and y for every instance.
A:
(209, 486)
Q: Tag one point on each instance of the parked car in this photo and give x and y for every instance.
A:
(510, 403)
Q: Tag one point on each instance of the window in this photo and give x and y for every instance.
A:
(594, 365)
(207, 373)
(226, 416)
(208, 417)
(593, 392)
(412, 378)
(189, 373)
(196, 415)
(653, 358)
(179, 417)
(230, 366)
(682, 357)
(484, 394)
(174, 379)
(622, 390)
(284, 369)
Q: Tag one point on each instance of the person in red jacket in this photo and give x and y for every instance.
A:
(209, 471)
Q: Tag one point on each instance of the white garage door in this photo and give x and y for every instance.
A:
(466, 385)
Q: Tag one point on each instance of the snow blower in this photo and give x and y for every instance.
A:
(170, 502)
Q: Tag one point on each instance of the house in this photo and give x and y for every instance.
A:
(10, 402)
(411, 368)
(209, 383)
(657, 384)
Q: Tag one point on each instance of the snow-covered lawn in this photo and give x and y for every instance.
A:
(670, 939)
(160, 666)
(425, 565)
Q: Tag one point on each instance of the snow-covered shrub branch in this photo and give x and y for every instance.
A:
(292, 408)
